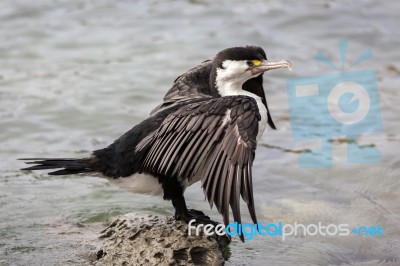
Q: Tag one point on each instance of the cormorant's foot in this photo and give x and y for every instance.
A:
(204, 219)
(197, 213)
(198, 216)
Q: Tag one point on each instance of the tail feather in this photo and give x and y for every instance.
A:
(67, 165)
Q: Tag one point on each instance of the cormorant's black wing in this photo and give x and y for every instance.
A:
(193, 84)
(213, 141)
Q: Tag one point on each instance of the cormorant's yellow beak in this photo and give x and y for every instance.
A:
(266, 65)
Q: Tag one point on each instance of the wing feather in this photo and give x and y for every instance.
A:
(193, 84)
(235, 196)
(213, 140)
(227, 194)
(190, 152)
(218, 172)
(210, 177)
(244, 188)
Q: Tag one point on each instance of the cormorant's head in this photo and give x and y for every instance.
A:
(241, 68)
(232, 67)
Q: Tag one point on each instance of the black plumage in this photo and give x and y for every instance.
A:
(180, 147)
(195, 134)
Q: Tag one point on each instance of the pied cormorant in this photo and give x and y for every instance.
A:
(205, 130)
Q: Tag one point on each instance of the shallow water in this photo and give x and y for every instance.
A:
(75, 75)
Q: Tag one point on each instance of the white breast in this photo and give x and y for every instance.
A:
(139, 183)
(262, 124)
(231, 87)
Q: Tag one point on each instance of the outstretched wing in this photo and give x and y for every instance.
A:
(212, 140)
(193, 84)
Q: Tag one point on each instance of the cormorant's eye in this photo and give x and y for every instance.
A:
(249, 63)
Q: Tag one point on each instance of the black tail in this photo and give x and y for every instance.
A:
(69, 166)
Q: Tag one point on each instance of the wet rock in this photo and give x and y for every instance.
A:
(135, 239)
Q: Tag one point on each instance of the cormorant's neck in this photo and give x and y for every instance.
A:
(235, 87)
(227, 83)
(255, 86)
(230, 87)
(227, 87)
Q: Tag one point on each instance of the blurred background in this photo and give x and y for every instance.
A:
(75, 75)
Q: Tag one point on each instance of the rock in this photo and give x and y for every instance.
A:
(134, 239)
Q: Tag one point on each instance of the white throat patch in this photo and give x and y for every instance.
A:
(231, 77)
